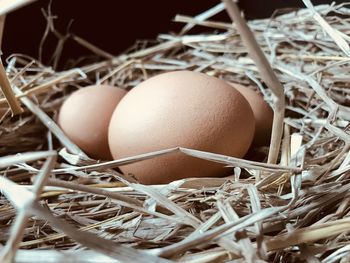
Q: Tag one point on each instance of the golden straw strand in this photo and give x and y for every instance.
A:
(7, 90)
(266, 74)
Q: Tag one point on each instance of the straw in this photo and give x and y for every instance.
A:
(294, 208)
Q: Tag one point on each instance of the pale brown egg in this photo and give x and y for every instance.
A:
(180, 109)
(263, 114)
(84, 117)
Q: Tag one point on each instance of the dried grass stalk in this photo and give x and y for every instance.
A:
(8, 92)
(84, 210)
(7, 6)
(267, 75)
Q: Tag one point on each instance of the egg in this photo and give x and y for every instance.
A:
(263, 114)
(84, 117)
(180, 109)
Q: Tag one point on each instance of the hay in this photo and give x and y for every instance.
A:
(59, 204)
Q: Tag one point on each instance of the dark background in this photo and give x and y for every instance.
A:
(110, 24)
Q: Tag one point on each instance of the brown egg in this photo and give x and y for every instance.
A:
(85, 116)
(263, 114)
(185, 109)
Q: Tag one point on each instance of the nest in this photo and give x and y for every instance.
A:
(59, 204)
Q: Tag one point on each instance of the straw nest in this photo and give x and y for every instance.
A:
(59, 205)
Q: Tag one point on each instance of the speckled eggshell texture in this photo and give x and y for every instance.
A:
(84, 117)
(263, 114)
(185, 109)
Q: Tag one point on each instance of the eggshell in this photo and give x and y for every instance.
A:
(85, 116)
(263, 114)
(185, 109)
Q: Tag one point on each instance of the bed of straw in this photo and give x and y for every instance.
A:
(58, 205)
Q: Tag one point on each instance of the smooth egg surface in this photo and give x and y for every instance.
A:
(180, 109)
(263, 114)
(84, 117)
